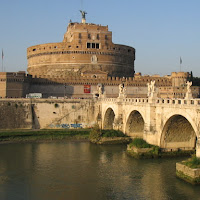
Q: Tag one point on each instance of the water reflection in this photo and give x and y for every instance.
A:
(80, 170)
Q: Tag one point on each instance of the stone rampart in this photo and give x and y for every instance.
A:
(47, 113)
(64, 113)
(15, 114)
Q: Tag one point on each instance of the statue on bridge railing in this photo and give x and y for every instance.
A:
(189, 84)
(151, 89)
(122, 91)
(100, 89)
(188, 94)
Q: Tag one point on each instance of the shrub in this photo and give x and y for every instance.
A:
(156, 150)
(193, 162)
(112, 133)
(140, 143)
(95, 134)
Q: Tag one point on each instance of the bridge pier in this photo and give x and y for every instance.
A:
(198, 148)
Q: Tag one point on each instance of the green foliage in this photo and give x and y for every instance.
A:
(140, 143)
(56, 105)
(193, 162)
(112, 133)
(46, 134)
(95, 134)
(16, 106)
(156, 150)
(195, 80)
(9, 103)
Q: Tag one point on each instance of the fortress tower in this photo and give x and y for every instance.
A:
(85, 48)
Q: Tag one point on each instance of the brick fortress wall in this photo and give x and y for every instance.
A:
(85, 47)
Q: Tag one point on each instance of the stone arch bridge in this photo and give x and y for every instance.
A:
(169, 123)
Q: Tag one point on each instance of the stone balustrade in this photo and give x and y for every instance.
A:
(192, 102)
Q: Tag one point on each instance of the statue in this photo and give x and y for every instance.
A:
(100, 89)
(83, 13)
(151, 89)
(189, 84)
(121, 88)
(152, 86)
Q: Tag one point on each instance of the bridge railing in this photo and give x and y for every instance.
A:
(109, 99)
(157, 101)
(136, 100)
(131, 100)
(179, 101)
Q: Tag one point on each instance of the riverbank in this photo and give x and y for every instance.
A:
(140, 149)
(44, 135)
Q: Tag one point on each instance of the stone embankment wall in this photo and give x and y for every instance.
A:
(63, 113)
(15, 114)
(46, 113)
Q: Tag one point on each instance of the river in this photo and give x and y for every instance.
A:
(80, 170)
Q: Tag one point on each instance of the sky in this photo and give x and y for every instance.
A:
(161, 31)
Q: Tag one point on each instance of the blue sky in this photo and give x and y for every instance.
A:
(160, 30)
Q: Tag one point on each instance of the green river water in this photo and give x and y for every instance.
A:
(80, 170)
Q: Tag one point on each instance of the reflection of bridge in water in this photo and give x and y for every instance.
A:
(168, 123)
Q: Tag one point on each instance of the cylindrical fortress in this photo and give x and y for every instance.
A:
(85, 47)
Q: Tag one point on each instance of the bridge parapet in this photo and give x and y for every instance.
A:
(192, 102)
(136, 100)
(188, 102)
(129, 100)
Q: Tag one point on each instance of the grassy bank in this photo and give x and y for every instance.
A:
(192, 162)
(44, 134)
(99, 136)
(139, 148)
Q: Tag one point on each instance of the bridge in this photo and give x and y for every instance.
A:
(169, 123)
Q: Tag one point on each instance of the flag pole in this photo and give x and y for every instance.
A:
(180, 63)
(2, 60)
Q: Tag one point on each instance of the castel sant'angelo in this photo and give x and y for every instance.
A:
(86, 58)
(85, 48)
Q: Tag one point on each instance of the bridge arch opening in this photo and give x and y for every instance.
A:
(135, 125)
(178, 133)
(109, 119)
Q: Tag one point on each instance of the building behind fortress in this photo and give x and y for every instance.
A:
(85, 58)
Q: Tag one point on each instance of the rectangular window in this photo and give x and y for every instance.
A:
(97, 36)
(79, 35)
(97, 45)
(88, 45)
(89, 36)
(93, 45)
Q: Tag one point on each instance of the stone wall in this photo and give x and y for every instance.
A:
(47, 113)
(63, 113)
(86, 47)
(188, 174)
(15, 114)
